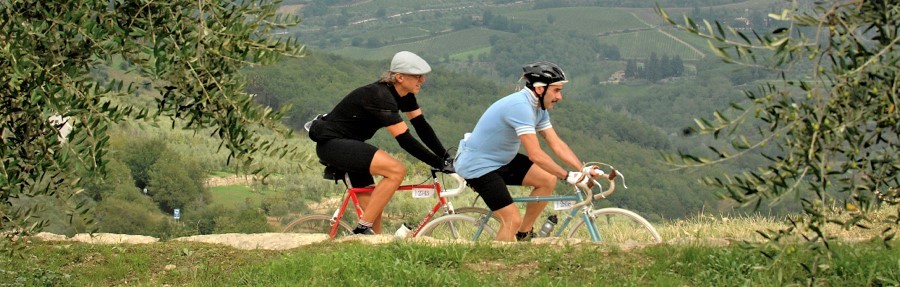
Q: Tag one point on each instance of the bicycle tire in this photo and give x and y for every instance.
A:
(317, 224)
(618, 227)
(456, 227)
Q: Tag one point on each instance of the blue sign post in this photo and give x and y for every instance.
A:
(177, 213)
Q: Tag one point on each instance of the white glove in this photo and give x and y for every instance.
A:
(578, 178)
(596, 171)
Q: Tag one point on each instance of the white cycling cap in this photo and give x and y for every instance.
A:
(408, 63)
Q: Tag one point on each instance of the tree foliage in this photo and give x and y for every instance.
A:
(175, 182)
(832, 115)
(189, 52)
(140, 155)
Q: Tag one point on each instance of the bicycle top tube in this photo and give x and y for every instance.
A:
(402, 187)
(545, 198)
(369, 188)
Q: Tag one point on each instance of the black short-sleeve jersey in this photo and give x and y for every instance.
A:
(407, 103)
(363, 112)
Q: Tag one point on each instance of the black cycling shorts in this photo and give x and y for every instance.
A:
(492, 185)
(352, 156)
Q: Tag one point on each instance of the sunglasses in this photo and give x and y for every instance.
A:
(418, 77)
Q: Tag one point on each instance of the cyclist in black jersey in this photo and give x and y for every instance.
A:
(340, 135)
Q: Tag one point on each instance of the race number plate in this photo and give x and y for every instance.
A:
(563, 205)
(422, 192)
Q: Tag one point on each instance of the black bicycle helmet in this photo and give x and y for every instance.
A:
(541, 74)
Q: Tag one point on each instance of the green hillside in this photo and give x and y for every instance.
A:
(453, 43)
(372, 29)
(591, 20)
(641, 44)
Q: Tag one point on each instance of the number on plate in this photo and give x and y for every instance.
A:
(563, 205)
(422, 192)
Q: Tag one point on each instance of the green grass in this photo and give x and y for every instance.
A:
(234, 195)
(404, 263)
(464, 56)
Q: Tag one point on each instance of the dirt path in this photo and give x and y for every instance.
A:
(266, 241)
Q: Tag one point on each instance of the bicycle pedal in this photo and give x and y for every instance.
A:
(524, 236)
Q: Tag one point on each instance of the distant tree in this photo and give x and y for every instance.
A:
(139, 155)
(631, 69)
(177, 182)
(500, 23)
(610, 52)
(381, 12)
(678, 65)
(229, 219)
(664, 67)
(493, 39)
(243, 219)
(651, 69)
(118, 179)
(464, 22)
(373, 42)
(356, 42)
(335, 40)
(487, 17)
(832, 118)
(123, 208)
(191, 52)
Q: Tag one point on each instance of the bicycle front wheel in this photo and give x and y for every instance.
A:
(456, 227)
(317, 223)
(617, 227)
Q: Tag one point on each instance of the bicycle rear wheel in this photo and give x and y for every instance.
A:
(617, 227)
(456, 227)
(317, 223)
(480, 213)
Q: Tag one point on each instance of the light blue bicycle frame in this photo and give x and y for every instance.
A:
(577, 197)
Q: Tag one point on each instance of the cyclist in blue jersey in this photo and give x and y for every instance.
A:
(340, 135)
(489, 160)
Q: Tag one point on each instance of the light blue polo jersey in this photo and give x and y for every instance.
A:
(495, 140)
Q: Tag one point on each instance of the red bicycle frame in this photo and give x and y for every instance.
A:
(353, 191)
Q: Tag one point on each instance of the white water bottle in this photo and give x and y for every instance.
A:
(403, 231)
(547, 228)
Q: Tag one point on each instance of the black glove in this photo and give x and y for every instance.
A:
(448, 167)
